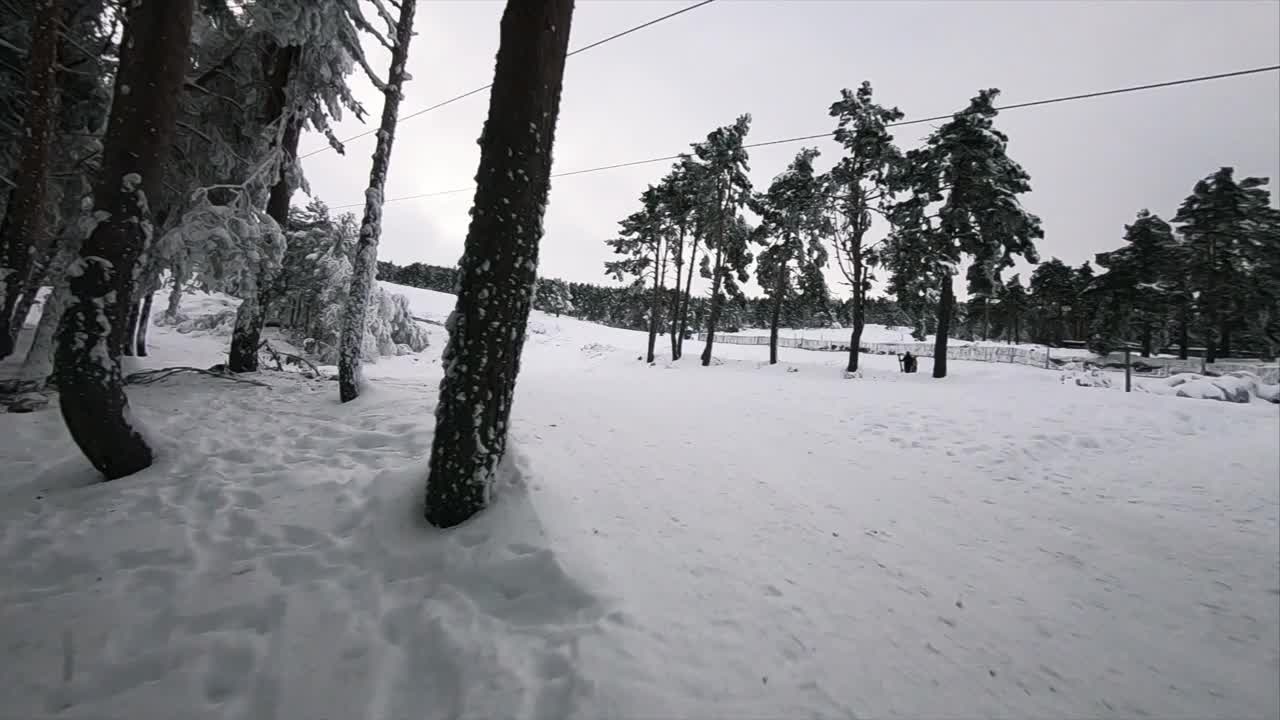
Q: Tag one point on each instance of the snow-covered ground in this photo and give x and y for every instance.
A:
(740, 541)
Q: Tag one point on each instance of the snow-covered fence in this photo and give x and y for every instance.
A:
(977, 353)
(1267, 372)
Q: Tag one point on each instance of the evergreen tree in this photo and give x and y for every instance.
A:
(727, 240)
(964, 167)
(366, 257)
(1135, 288)
(153, 55)
(1217, 221)
(790, 209)
(1013, 304)
(860, 187)
(500, 261)
(1053, 290)
(24, 227)
(643, 243)
(681, 196)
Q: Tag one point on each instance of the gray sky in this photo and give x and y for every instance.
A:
(1093, 163)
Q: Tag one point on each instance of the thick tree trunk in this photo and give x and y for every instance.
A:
(23, 231)
(779, 290)
(247, 336)
(675, 307)
(945, 305)
(688, 294)
(365, 264)
(152, 66)
(500, 260)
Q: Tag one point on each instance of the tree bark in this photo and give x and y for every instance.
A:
(1184, 334)
(365, 265)
(688, 293)
(500, 260)
(127, 340)
(152, 66)
(779, 290)
(655, 302)
(675, 308)
(1224, 339)
(859, 307)
(247, 336)
(713, 316)
(23, 231)
(144, 319)
(945, 305)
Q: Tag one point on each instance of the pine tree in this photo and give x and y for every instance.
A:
(860, 187)
(153, 56)
(964, 166)
(24, 217)
(500, 260)
(1136, 287)
(1217, 220)
(728, 237)
(1013, 305)
(643, 243)
(366, 257)
(1053, 290)
(680, 198)
(790, 209)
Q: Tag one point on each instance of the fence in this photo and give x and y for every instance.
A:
(977, 353)
(1019, 356)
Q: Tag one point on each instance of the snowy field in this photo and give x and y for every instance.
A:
(671, 541)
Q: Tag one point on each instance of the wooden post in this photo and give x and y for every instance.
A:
(1128, 382)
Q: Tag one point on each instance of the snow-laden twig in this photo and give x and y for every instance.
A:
(147, 377)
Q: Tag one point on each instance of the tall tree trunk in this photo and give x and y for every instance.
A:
(500, 260)
(153, 60)
(1184, 333)
(1146, 339)
(688, 293)
(175, 294)
(23, 231)
(144, 320)
(945, 306)
(365, 265)
(675, 307)
(713, 316)
(130, 328)
(1224, 339)
(247, 336)
(655, 302)
(779, 290)
(859, 306)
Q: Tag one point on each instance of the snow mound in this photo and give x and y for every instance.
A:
(200, 313)
(1084, 375)
(1237, 387)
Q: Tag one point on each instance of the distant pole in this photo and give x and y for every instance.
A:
(1128, 381)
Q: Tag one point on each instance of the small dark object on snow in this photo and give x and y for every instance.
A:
(907, 362)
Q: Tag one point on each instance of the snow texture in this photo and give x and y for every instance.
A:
(737, 541)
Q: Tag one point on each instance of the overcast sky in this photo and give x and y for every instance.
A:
(1093, 163)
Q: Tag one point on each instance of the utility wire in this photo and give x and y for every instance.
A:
(469, 93)
(802, 138)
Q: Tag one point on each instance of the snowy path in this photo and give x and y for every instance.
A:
(737, 541)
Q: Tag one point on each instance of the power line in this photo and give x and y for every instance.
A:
(802, 138)
(469, 93)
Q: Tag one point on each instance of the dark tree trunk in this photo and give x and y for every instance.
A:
(1184, 334)
(153, 59)
(688, 294)
(945, 305)
(779, 290)
(714, 316)
(859, 307)
(365, 265)
(1224, 339)
(144, 319)
(499, 262)
(243, 356)
(23, 231)
(655, 302)
(127, 341)
(675, 307)
(1146, 339)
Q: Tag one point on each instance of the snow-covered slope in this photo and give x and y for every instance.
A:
(736, 541)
